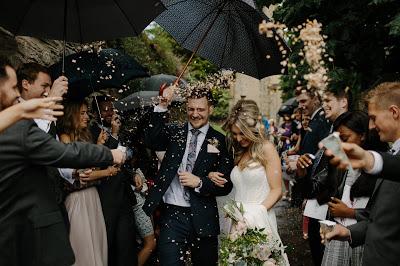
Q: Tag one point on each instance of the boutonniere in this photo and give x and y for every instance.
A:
(212, 146)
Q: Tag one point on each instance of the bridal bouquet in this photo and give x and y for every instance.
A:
(248, 246)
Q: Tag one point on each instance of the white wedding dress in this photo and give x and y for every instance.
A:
(251, 188)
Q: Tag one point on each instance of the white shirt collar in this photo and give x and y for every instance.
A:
(203, 129)
(396, 146)
(315, 113)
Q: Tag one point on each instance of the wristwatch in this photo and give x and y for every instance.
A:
(200, 184)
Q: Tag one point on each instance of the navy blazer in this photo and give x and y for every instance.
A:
(172, 138)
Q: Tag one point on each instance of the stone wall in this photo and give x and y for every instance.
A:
(264, 92)
(26, 49)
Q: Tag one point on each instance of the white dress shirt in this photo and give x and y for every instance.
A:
(378, 161)
(175, 192)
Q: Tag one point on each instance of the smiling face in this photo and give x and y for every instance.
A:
(384, 121)
(106, 112)
(239, 137)
(83, 116)
(38, 88)
(198, 111)
(307, 103)
(333, 106)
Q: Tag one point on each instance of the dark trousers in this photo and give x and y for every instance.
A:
(177, 236)
(314, 239)
(121, 236)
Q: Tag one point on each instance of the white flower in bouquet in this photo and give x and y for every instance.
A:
(246, 245)
(262, 252)
(270, 262)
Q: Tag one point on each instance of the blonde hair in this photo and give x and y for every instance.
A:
(384, 95)
(246, 116)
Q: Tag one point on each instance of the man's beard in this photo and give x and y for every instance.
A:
(4, 104)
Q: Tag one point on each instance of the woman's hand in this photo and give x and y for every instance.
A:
(217, 178)
(339, 209)
(113, 170)
(138, 181)
(103, 136)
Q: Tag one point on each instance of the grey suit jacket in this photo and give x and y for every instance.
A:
(31, 225)
(379, 231)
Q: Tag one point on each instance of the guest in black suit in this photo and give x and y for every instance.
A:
(31, 225)
(34, 82)
(319, 128)
(379, 229)
(116, 196)
(189, 215)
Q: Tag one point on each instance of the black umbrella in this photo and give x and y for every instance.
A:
(89, 71)
(136, 100)
(78, 21)
(141, 99)
(83, 20)
(288, 107)
(154, 82)
(224, 32)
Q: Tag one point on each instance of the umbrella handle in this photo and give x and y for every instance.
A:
(199, 44)
(64, 37)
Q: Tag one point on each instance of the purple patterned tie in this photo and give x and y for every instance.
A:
(191, 158)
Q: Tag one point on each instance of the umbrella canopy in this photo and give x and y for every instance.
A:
(224, 32)
(154, 82)
(291, 102)
(288, 107)
(141, 99)
(136, 100)
(78, 21)
(89, 71)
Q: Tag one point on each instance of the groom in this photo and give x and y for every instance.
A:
(189, 215)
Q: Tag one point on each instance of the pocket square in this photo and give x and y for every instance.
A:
(212, 149)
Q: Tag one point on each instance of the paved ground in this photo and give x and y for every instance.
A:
(289, 221)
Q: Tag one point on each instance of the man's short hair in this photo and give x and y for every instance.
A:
(200, 92)
(384, 95)
(311, 92)
(4, 62)
(342, 93)
(29, 72)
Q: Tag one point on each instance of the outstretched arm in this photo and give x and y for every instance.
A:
(43, 108)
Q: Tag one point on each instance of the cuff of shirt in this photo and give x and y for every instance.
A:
(197, 189)
(159, 109)
(378, 164)
(66, 173)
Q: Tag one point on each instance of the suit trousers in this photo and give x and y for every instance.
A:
(314, 239)
(178, 235)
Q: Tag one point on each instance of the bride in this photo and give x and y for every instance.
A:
(257, 175)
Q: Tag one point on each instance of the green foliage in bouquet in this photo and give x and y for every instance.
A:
(252, 248)
(246, 245)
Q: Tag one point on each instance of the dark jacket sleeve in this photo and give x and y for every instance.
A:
(224, 166)
(391, 167)
(158, 132)
(358, 232)
(42, 149)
